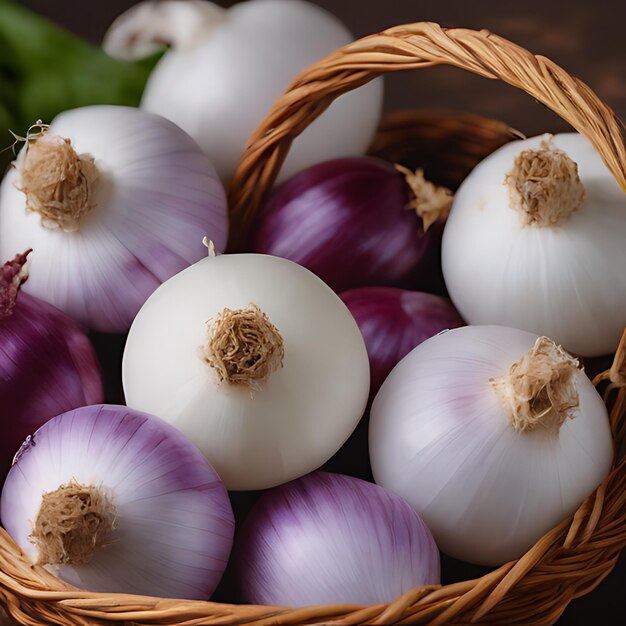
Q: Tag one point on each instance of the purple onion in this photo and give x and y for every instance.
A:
(47, 365)
(394, 321)
(349, 222)
(332, 539)
(165, 521)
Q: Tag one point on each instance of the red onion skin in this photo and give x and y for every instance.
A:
(347, 221)
(394, 321)
(47, 367)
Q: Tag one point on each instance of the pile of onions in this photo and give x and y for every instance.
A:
(256, 360)
(332, 539)
(114, 500)
(47, 365)
(113, 201)
(493, 435)
(225, 68)
(356, 222)
(248, 371)
(394, 321)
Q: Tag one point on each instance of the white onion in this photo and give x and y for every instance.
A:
(279, 427)
(565, 280)
(152, 195)
(220, 87)
(442, 438)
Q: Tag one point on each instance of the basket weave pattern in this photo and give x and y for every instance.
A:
(571, 559)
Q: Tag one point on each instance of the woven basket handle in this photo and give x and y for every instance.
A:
(413, 46)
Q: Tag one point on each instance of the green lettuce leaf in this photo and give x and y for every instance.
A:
(45, 70)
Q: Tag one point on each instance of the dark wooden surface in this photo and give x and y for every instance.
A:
(585, 37)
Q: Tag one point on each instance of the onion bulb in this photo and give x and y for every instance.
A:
(535, 240)
(113, 500)
(47, 365)
(394, 321)
(225, 69)
(357, 222)
(493, 435)
(113, 201)
(333, 539)
(253, 358)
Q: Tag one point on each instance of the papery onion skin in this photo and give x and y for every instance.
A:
(174, 526)
(47, 367)
(261, 436)
(349, 222)
(220, 90)
(332, 539)
(564, 281)
(440, 438)
(394, 321)
(156, 196)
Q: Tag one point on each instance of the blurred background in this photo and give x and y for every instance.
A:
(585, 37)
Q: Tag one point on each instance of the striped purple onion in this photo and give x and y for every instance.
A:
(47, 364)
(163, 522)
(328, 539)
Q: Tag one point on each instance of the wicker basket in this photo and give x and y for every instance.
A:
(571, 559)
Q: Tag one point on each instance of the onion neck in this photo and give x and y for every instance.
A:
(544, 186)
(58, 182)
(431, 202)
(12, 275)
(243, 347)
(149, 26)
(539, 391)
(73, 522)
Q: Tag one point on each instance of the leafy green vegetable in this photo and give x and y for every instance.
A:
(45, 70)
